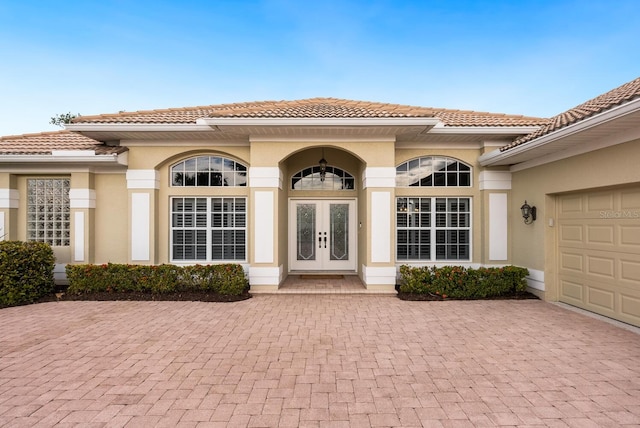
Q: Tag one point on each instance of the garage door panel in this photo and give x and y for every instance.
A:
(630, 200)
(571, 291)
(603, 267)
(601, 235)
(630, 273)
(571, 262)
(599, 252)
(630, 236)
(570, 204)
(602, 298)
(630, 308)
(597, 202)
(571, 234)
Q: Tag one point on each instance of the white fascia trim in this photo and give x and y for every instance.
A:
(79, 158)
(72, 153)
(136, 127)
(583, 125)
(143, 179)
(495, 180)
(379, 176)
(9, 198)
(348, 121)
(265, 176)
(82, 198)
(372, 275)
(499, 130)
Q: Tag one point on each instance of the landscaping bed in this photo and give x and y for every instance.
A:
(184, 296)
(431, 283)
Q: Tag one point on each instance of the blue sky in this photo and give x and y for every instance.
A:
(535, 58)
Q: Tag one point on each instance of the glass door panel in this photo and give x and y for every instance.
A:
(322, 235)
(305, 231)
(339, 227)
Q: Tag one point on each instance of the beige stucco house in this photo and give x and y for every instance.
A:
(331, 185)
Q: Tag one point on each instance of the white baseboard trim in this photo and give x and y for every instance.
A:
(535, 279)
(265, 276)
(379, 275)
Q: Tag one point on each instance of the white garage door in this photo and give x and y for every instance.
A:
(599, 252)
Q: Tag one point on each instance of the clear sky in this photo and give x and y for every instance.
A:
(535, 58)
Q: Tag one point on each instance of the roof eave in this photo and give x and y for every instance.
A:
(137, 127)
(84, 159)
(506, 130)
(498, 157)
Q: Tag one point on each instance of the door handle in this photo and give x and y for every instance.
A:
(319, 240)
(325, 240)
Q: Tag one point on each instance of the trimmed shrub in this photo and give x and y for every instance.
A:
(463, 283)
(224, 279)
(26, 272)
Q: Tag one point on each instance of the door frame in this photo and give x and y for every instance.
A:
(291, 233)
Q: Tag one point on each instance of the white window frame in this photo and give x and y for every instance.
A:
(433, 228)
(209, 228)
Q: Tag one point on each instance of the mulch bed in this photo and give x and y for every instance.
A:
(182, 297)
(435, 298)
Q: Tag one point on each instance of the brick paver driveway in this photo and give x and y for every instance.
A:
(315, 361)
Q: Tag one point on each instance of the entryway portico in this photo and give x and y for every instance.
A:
(339, 223)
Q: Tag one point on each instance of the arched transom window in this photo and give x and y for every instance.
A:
(208, 171)
(311, 179)
(433, 171)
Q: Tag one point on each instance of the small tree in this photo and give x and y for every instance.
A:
(61, 119)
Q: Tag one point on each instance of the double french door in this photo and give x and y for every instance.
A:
(322, 235)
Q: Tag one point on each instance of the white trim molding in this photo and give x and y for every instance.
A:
(78, 236)
(140, 225)
(265, 176)
(535, 279)
(372, 275)
(379, 177)
(265, 275)
(143, 179)
(3, 227)
(9, 198)
(263, 219)
(380, 209)
(82, 198)
(495, 180)
(498, 227)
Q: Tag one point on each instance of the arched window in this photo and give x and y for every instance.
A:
(334, 179)
(208, 171)
(433, 171)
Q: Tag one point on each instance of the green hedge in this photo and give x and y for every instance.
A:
(224, 279)
(26, 272)
(463, 283)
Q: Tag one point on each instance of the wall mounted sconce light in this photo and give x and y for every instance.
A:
(528, 213)
(323, 167)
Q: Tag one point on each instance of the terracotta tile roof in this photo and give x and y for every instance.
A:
(43, 143)
(313, 108)
(618, 96)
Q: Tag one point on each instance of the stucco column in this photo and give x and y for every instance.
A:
(143, 185)
(378, 269)
(495, 187)
(265, 267)
(9, 199)
(82, 203)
